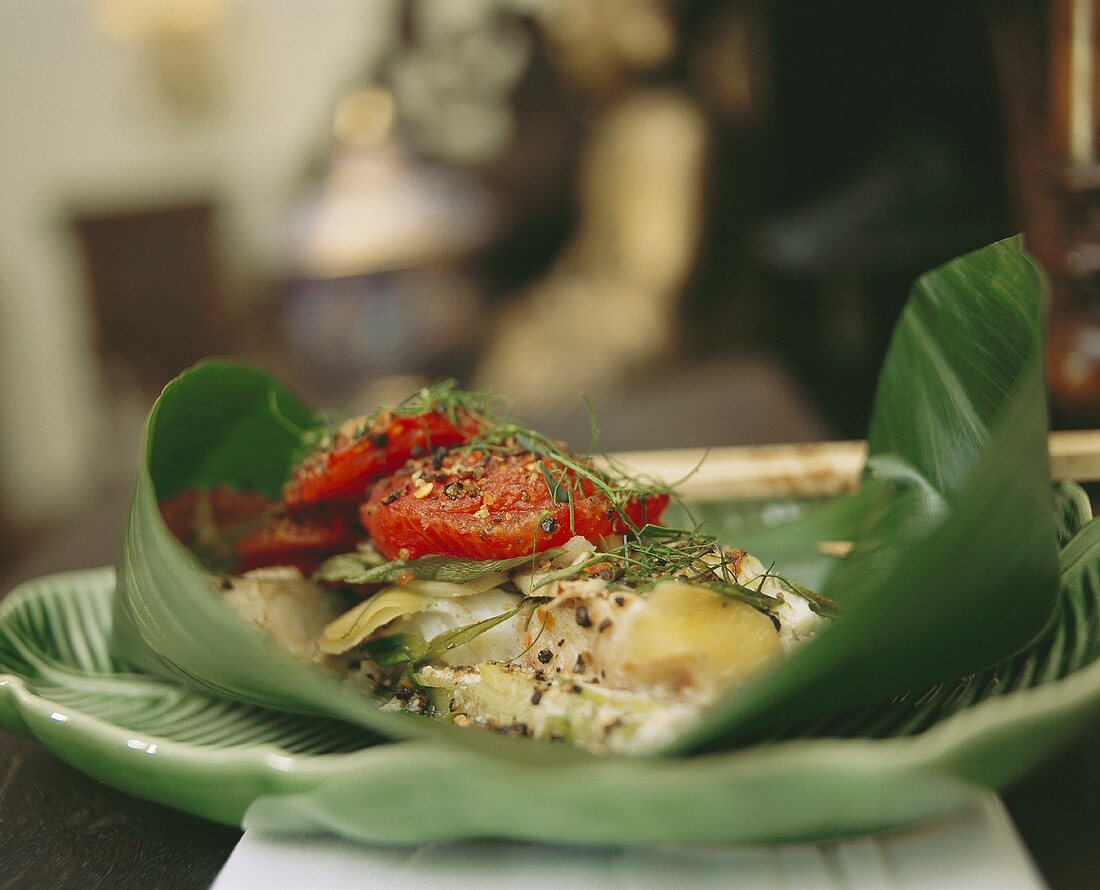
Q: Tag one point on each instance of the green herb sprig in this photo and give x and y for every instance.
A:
(657, 553)
(455, 404)
(369, 568)
(445, 397)
(647, 553)
(565, 474)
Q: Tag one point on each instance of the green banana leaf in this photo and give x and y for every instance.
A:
(912, 759)
(220, 423)
(954, 567)
(955, 560)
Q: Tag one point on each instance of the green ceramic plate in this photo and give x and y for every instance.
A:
(241, 764)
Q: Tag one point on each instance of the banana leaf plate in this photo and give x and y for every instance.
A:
(968, 650)
(918, 757)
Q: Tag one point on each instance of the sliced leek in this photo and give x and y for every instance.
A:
(356, 625)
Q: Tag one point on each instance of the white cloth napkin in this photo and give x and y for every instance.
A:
(976, 848)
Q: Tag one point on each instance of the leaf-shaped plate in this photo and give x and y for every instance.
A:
(231, 762)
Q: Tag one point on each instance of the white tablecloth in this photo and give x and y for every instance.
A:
(977, 848)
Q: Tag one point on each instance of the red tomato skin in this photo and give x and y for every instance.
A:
(228, 507)
(506, 512)
(306, 563)
(344, 472)
(641, 512)
(303, 540)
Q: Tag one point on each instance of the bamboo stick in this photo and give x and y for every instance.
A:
(817, 469)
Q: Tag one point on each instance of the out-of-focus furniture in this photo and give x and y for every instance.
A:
(1075, 152)
(153, 284)
(1048, 65)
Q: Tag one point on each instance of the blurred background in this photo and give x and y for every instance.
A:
(704, 214)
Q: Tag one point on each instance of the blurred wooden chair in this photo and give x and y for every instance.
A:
(153, 281)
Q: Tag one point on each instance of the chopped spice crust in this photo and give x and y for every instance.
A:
(497, 504)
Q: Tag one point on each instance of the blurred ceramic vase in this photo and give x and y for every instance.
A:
(381, 278)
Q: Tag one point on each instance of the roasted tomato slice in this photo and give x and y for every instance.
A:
(228, 509)
(641, 511)
(484, 505)
(361, 454)
(302, 539)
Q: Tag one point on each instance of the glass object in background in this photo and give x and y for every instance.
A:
(454, 76)
(381, 279)
(384, 249)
